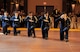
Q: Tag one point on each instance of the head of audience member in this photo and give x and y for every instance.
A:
(69, 14)
(42, 13)
(16, 14)
(56, 11)
(6, 13)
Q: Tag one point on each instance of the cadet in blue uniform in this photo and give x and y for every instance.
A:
(5, 23)
(64, 26)
(45, 20)
(16, 23)
(31, 20)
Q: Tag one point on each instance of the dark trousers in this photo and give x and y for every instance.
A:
(15, 31)
(66, 34)
(56, 22)
(62, 36)
(30, 32)
(5, 29)
(44, 33)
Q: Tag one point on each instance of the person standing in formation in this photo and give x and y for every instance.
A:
(64, 26)
(31, 20)
(5, 23)
(16, 19)
(45, 20)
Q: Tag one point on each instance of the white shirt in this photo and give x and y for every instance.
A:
(15, 16)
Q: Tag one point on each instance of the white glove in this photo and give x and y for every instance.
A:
(16, 19)
(46, 20)
(6, 19)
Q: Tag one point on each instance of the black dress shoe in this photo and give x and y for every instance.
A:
(34, 36)
(8, 31)
(29, 36)
(18, 32)
(46, 38)
(66, 40)
(61, 40)
(15, 35)
(5, 33)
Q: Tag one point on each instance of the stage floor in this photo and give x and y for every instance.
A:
(22, 43)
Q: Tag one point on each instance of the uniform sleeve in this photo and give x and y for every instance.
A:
(2, 18)
(41, 18)
(12, 19)
(59, 19)
(26, 19)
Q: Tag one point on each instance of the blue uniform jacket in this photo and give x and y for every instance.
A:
(15, 23)
(43, 23)
(5, 21)
(63, 23)
(29, 24)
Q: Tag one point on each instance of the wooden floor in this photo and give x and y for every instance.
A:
(22, 43)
